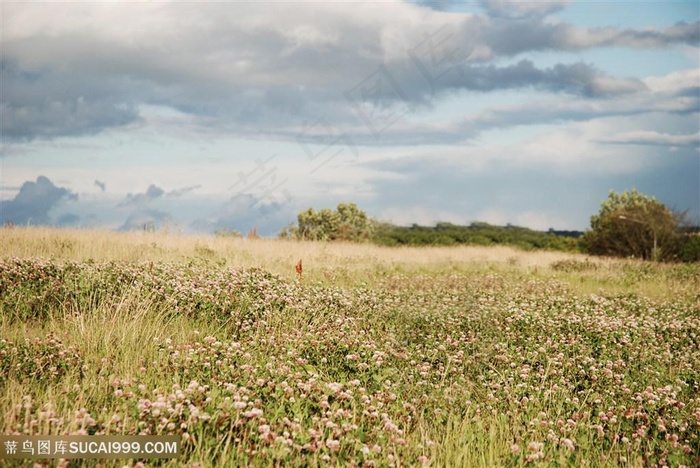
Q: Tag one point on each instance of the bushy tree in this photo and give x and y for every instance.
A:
(477, 233)
(347, 223)
(633, 224)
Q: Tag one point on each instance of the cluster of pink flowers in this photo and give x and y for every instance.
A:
(373, 376)
(45, 359)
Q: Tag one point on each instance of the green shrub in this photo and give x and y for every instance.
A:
(689, 248)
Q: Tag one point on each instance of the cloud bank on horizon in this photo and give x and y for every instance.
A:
(236, 115)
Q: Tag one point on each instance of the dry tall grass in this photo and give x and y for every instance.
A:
(272, 254)
(344, 263)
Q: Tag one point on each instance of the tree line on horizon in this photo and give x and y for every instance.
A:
(629, 224)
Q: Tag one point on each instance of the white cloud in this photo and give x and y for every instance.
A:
(651, 137)
(674, 81)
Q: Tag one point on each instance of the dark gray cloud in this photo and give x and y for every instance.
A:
(552, 111)
(578, 78)
(48, 102)
(140, 199)
(142, 215)
(519, 9)
(295, 63)
(671, 95)
(682, 32)
(34, 202)
(512, 37)
(653, 138)
(153, 192)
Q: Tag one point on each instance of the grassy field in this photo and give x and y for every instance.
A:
(376, 357)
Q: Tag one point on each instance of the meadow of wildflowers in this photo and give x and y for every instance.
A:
(432, 367)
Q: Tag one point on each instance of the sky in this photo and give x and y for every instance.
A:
(204, 116)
